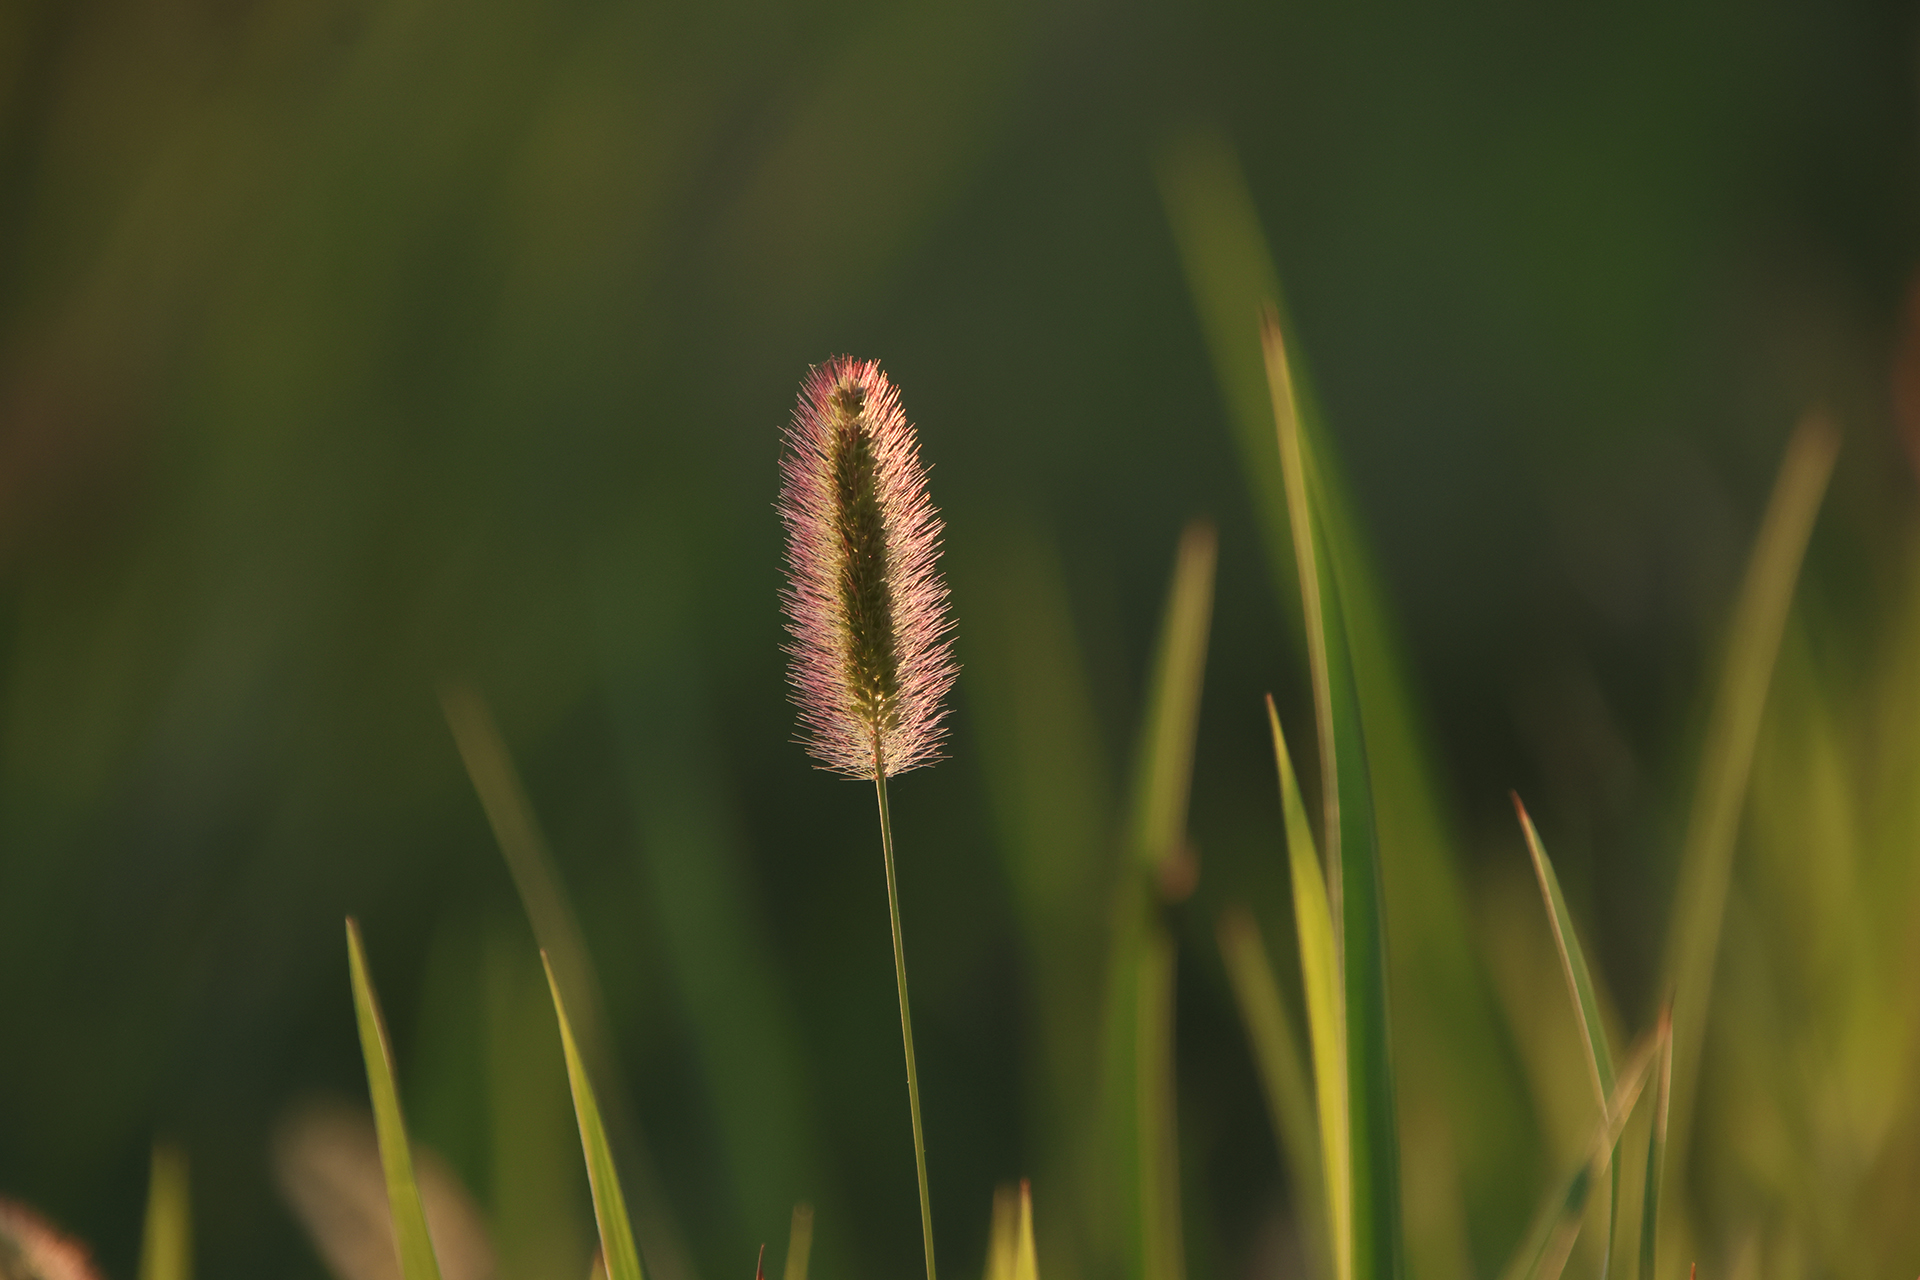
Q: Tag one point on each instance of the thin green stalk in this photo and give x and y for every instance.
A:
(906, 1015)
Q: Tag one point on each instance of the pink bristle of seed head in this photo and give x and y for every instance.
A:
(842, 730)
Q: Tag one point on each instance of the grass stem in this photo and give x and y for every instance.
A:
(906, 1015)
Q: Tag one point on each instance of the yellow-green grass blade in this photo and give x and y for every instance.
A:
(1656, 1152)
(1726, 758)
(1003, 1236)
(1162, 783)
(1326, 1012)
(1593, 1031)
(1284, 1077)
(1543, 1254)
(410, 1238)
(1164, 772)
(166, 1242)
(617, 1248)
(1573, 962)
(1137, 1037)
(1026, 1259)
(1352, 851)
(1447, 1010)
(799, 1242)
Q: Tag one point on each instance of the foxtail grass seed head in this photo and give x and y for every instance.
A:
(871, 641)
(31, 1249)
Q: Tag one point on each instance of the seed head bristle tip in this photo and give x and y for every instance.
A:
(870, 638)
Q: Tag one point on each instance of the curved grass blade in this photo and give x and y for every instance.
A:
(1326, 1014)
(622, 1258)
(1593, 1032)
(1726, 757)
(1544, 1254)
(410, 1238)
(1353, 853)
(166, 1242)
(1656, 1150)
(556, 929)
(1284, 1076)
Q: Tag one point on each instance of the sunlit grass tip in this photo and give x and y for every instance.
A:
(871, 638)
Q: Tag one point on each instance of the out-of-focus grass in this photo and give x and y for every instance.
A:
(349, 343)
(1160, 868)
(166, 1240)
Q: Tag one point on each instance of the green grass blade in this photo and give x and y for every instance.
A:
(1726, 758)
(1137, 1033)
(1352, 852)
(1164, 773)
(1026, 1260)
(621, 1256)
(1326, 1013)
(1656, 1151)
(799, 1242)
(1284, 1077)
(1446, 1008)
(415, 1246)
(1573, 962)
(1162, 1241)
(166, 1242)
(556, 929)
(1544, 1253)
(1003, 1235)
(1593, 1032)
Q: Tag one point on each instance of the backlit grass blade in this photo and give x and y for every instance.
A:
(1544, 1253)
(1352, 851)
(1573, 964)
(1326, 1013)
(1138, 1077)
(1162, 782)
(1284, 1077)
(1026, 1260)
(166, 1242)
(617, 1248)
(1164, 773)
(799, 1242)
(1656, 1151)
(1726, 757)
(1445, 1009)
(410, 1238)
(1003, 1235)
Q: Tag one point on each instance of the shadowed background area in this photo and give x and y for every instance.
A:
(353, 350)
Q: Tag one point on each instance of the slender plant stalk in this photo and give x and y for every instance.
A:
(906, 1014)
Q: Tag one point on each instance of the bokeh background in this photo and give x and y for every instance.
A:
(349, 348)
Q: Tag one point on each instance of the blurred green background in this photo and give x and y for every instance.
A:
(349, 347)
